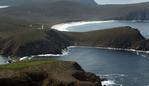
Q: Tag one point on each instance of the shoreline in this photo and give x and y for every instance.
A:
(66, 52)
(4, 6)
(65, 26)
(116, 49)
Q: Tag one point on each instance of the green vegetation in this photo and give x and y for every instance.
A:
(46, 73)
(25, 64)
(33, 42)
(29, 36)
(120, 37)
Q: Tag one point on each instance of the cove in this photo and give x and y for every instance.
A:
(122, 68)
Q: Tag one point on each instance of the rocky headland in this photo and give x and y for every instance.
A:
(46, 73)
(35, 42)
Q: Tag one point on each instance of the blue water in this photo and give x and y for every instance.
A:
(143, 27)
(3, 60)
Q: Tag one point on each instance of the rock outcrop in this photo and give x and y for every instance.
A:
(46, 73)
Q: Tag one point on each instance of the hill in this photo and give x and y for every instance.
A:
(51, 11)
(43, 41)
(46, 73)
(120, 37)
(59, 11)
(33, 42)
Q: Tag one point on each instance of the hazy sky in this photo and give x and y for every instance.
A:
(119, 1)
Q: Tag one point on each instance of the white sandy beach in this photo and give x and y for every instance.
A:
(64, 26)
(4, 7)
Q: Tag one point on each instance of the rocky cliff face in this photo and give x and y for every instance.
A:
(46, 73)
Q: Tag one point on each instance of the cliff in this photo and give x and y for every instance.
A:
(46, 73)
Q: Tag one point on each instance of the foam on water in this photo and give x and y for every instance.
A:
(138, 52)
(111, 81)
(108, 83)
(64, 52)
(25, 57)
(119, 75)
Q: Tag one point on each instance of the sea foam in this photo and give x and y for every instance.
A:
(64, 52)
(108, 83)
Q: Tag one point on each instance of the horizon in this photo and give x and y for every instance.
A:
(120, 1)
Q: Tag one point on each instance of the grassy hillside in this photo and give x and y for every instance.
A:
(33, 42)
(120, 37)
(46, 73)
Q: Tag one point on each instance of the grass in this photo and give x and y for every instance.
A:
(27, 63)
(29, 36)
(101, 36)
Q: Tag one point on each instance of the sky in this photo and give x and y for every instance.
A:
(119, 1)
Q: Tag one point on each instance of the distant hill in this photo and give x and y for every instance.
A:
(51, 11)
(20, 2)
(59, 11)
(139, 11)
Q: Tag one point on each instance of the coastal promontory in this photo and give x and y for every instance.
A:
(46, 73)
(36, 42)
